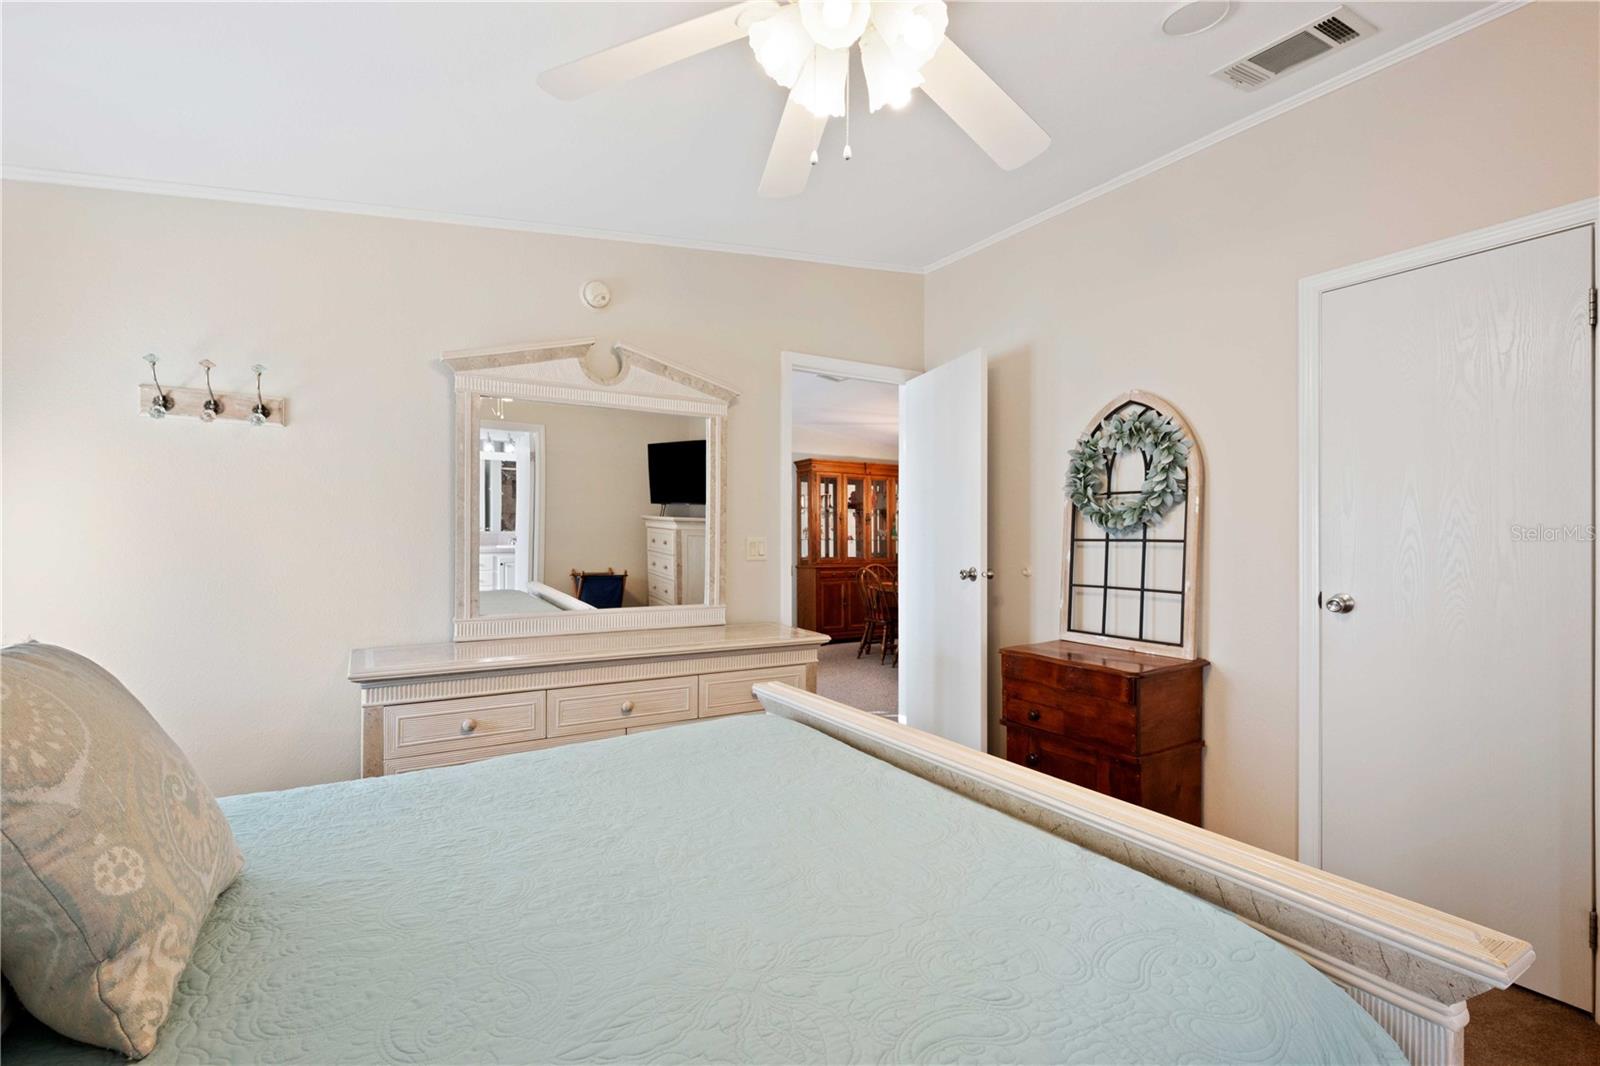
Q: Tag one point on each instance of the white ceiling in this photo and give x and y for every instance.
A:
(865, 411)
(433, 110)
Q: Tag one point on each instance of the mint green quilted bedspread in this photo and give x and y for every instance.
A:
(744, 890)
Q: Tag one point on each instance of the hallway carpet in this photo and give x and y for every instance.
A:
(1515, 1027)
(863, 682)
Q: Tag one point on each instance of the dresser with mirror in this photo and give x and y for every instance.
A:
(589, 505)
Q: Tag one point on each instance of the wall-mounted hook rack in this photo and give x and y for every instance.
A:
(210, 406)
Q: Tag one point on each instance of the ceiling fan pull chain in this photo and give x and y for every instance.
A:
(847, 107)
(814, 95)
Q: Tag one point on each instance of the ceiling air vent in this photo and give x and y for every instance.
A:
(1332, 31)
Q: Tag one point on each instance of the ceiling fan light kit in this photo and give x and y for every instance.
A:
(805, 47)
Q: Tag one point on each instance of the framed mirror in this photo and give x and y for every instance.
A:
(586, 499)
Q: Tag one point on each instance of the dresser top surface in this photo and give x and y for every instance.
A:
(1105, 660)
(466, 657)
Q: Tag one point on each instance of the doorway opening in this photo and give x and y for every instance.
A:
(511, 524)
(841, 531)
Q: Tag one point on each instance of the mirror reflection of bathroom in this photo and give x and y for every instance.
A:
(588, 508)
(508, 460)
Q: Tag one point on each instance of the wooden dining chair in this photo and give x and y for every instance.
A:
(876, 582)
(869, 584)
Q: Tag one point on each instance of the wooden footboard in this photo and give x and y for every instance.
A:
(1409, 966)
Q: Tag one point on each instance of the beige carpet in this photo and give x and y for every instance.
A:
(863, 682)
(1515, 1027)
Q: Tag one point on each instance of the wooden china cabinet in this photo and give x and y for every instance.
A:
(844, 520)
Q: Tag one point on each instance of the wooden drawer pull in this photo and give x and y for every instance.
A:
(627, 705)
(468, 725)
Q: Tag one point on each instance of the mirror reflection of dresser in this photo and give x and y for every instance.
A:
(589, 566)
(676, 559)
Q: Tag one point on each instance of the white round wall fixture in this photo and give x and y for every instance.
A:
(596, 294)
(1197, 17)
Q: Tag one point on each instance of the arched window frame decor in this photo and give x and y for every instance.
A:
(1074, 542)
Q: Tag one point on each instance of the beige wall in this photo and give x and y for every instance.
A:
(827, 443)
(225, 572)
(597, 487)
(1184, 283)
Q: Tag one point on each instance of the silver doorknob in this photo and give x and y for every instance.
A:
(989, 574)
(1339, 603)
(468, 725)
(969, 574)
(627, 706)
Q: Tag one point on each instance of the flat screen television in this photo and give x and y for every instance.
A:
(678, 471)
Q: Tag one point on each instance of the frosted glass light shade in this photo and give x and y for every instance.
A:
(781, 45)
(820, 86)
(913, 30)
(888, 82)
(835, 23)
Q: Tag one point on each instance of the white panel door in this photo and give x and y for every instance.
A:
(944, 550)
(1456, 511)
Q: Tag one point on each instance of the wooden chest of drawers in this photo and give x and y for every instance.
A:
(1123, 723)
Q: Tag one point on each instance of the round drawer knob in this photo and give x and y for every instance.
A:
(1033, 757)
(1033, 716)
(468, 725)
(627, 705)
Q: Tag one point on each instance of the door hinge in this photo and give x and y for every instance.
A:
(1594, 930)
(1594, 307)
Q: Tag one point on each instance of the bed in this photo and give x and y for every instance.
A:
(807, 885)
(538, 599)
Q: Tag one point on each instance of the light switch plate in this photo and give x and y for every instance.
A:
(755, 549)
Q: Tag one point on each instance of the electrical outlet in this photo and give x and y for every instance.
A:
(755, 549)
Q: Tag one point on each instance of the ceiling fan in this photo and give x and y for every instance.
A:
(805, 47)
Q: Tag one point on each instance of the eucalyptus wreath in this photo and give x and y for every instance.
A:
(1166, 453)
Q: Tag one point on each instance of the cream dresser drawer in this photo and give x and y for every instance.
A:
(595, 707)
(661, 589)
(443, 704)
(661, 565)
(730, 693)
(456, 758)
(413, 729)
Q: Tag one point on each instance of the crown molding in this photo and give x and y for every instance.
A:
(1354, 74)
(310, 203)
(45, 176)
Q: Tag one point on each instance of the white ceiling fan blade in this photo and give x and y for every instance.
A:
(981, 108)
(652, 51)
(789, 162)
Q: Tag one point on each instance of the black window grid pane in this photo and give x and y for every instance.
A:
(1144, 540)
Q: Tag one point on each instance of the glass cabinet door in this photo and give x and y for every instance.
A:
(878, 518)
(802, 512)
(827, 517)
(855, 525)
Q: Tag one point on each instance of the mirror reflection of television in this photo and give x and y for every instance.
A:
(678, 471)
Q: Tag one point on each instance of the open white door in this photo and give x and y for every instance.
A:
(944, 551)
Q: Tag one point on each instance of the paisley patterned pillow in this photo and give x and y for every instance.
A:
(112, 851)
